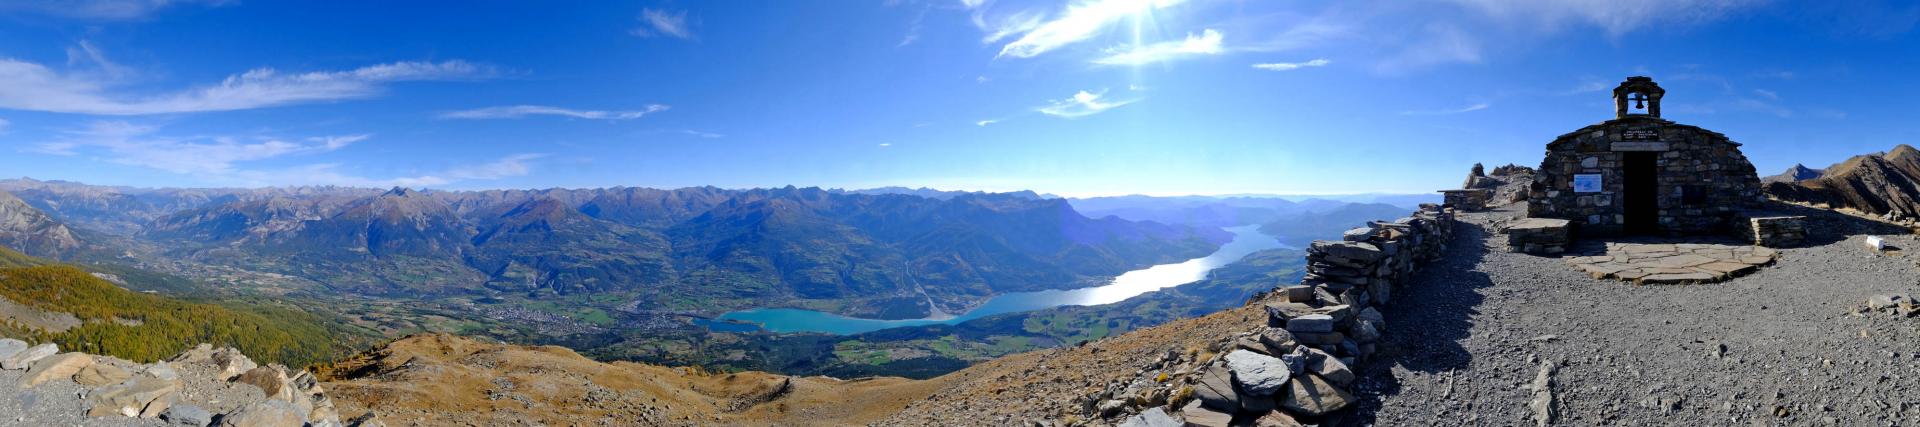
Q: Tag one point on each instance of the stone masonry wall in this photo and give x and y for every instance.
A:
(1295, 369)
(1702, 178)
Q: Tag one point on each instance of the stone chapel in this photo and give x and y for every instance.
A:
(1642, 174)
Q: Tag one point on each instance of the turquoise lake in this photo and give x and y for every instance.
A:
(1246, 240)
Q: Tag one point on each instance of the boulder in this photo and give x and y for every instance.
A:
(24, 358)
(159, 405)
(10, 347)
(232, 363)
(161, 370)
(1276, 419)
(1312, 396)
(55, 366)
(1311, 323)
(265, 413)
(1364, 331)
(1349, 254)
(1329, 367)
(1885, 301)
(1258, 374)
(1199, 415)
(131, 397)
(271, 381)
(99, 374)
(1155, 417)
(187, 415)
(1278, 313)
(1215, 389)
(1277, 340)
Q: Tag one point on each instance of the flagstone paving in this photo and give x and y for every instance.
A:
(1672, 263)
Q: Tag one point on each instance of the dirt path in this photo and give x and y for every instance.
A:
(1466, 342)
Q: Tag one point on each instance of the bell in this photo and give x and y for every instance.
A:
(1640, 104)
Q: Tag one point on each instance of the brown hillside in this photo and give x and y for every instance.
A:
(437, 379)
(1881, 184)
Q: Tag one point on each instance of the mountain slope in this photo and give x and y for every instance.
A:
(1881, 184)
(544, 244)
(450, 380)
(144, 327)
(24, 228)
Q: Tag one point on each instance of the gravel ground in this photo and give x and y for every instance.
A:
(57, 403)
(1778, 347)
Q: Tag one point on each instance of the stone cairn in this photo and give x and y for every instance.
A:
(203, 386)
(1297, 366)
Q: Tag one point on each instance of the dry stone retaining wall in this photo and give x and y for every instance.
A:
(1297, 367)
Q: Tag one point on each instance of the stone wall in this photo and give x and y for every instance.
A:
(1473, 199)
(1702, 178)
(1297, 367)
(1346, 278)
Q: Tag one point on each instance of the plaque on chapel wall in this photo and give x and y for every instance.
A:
(1586, 183)
(1639, 135)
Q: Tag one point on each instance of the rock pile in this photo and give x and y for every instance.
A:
(203, 386)
(1297, 366)
(1900, 305)
(1539, 236)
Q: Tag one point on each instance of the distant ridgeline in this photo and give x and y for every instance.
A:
(700, 249)
(45, 302)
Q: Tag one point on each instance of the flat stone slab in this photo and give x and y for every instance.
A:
(1672, 263)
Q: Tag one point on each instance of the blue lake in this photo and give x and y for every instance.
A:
(1246, 240)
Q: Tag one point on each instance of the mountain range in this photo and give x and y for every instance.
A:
(884, 255)
(1885, 184)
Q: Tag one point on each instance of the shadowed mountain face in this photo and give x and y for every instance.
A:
(1881, 184)
(845, 252)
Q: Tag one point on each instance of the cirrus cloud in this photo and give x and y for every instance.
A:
(519, 111)
(34, 87)
(1083, 104)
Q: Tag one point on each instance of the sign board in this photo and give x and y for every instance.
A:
(1640, 135)
(1587, 183)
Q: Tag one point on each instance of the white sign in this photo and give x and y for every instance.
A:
(1587, 183)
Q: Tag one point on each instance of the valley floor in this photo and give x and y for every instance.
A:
(1777, 347)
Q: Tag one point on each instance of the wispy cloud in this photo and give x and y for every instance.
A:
(707, 135)
(519, 111)
(99, 10)
(657, 23)
(1290, 66)
(984, 123)
(1466, 109)
(30, 86)
(3, 125)
(1083, 104)
(138, 145)
(333, 174)
(237, 160)
(886, 144)
(1205, 43)
(1081, 21)
(1767, 94)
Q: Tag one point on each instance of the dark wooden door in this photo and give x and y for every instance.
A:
(1641, 188)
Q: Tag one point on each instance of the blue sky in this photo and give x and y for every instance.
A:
(1083, 97)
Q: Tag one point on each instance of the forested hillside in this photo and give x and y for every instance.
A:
(146, 327)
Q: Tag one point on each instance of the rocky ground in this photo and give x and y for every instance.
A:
(1487, 337)
(39, 386)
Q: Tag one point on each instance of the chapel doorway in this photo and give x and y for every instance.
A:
(1640, 189)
